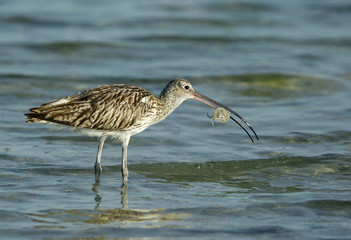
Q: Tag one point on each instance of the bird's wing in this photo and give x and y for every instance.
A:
(112, 107)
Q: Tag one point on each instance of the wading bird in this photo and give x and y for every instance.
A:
(120, 111)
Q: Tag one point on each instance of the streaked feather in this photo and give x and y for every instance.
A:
(114, 107)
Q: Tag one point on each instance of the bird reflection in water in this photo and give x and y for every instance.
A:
(98, 196)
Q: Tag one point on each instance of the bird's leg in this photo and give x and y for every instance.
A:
(97, 167)
(124, 169)
(124, 195)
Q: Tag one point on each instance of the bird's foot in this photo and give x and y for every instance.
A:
(125, 174)
(98, 170)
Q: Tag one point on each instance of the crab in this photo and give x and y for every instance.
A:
(220, 114)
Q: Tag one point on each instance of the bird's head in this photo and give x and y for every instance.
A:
(179, 90)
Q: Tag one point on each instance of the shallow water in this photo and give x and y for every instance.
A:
(284, 66)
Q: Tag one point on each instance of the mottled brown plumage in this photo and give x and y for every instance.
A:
(111, 108)
(118, 111)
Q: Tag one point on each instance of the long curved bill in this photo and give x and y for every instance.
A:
(206, 100)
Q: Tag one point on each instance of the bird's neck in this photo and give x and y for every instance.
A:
(168, 105)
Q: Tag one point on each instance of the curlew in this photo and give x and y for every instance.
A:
(120, 111)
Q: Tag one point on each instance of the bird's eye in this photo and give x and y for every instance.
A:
(186, 87)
